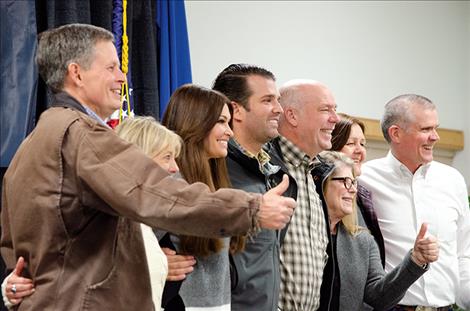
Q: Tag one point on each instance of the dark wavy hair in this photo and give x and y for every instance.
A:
(342, 131)
(232, 81)
(192, 113)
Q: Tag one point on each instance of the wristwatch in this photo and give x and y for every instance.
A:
(424, 266)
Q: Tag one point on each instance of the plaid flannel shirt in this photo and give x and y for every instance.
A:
(303, 254)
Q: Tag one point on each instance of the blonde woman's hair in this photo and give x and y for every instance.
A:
(339, 159)
(150, 136)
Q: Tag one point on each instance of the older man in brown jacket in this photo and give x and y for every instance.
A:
(74, 189)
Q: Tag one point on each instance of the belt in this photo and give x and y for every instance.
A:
(421, 308)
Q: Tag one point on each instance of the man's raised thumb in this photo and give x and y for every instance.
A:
(282, 187)
(19, 266)
(422, 231)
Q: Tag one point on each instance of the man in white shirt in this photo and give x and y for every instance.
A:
(409, 188)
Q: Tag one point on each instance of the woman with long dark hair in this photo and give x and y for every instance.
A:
(201, 117)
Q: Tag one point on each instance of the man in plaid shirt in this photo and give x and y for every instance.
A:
(307, 122)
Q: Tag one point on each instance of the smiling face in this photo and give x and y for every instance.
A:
(101, 83)
(166, 159)
(355, 147)
(262, 119)
(413, 143)
(339, 199)
(316, 118)
(216, 142)
(259, 121)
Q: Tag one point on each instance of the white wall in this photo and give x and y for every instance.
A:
(462, 159)
(366, 51)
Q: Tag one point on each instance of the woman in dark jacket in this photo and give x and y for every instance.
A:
(359, 276)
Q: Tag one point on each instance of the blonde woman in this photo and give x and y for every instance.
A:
(358, 275)
(348, 137)
(163, 146)
(155, 140)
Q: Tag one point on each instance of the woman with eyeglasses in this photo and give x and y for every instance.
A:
(358, 275)
(348, 137)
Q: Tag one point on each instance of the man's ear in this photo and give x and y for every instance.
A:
(238, 111)
(74, 74)
(291, 116)
(394, 132)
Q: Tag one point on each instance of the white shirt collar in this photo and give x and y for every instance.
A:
(401, 169)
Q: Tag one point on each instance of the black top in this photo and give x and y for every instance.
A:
(331, 282)
(366, 207)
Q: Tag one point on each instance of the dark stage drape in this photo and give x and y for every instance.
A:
(24, 96)
(141, 31)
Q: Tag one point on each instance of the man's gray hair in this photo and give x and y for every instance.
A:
(73, 43)
(397, 111)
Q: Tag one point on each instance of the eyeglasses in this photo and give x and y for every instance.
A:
(347, 181)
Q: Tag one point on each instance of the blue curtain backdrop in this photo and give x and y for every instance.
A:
(18, 75)
(173, 45)
(159, 56)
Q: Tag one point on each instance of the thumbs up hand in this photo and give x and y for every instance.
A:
(426, 249)
(18, 287)
(275, 210)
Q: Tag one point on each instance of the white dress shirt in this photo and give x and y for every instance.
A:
(157, 264)
(435, 194)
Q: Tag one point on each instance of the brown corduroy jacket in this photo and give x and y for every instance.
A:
(71, 198)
